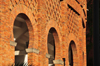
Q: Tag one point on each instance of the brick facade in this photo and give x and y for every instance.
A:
(67, 17)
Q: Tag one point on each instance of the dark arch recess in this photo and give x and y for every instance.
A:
(72, 54)
(52, 40)
(21, 29)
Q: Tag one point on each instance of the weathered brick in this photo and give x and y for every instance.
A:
(42, 16)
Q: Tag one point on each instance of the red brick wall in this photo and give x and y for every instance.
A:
(44, 14)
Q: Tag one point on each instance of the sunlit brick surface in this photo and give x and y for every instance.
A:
(68, 17)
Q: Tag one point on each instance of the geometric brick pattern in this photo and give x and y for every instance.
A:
(42, 16)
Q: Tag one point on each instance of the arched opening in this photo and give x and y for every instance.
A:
(64, 60)
(52, 40)
(73, 61)
(70, 56)
(21, 36)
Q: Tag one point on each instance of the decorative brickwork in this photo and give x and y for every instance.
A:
(67, 17)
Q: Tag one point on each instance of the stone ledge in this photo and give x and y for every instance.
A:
(20, 52)
(48, 55)
(58, 62)
(31, 50)
(12, 43)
